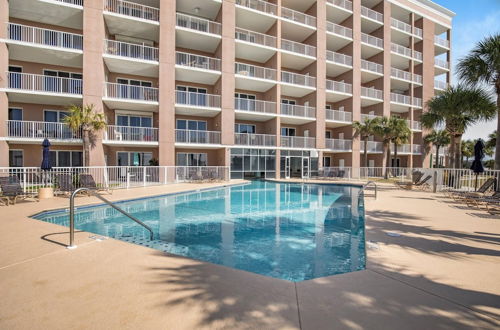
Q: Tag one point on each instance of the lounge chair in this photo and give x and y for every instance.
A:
(87, 181)
(65, 183)
(493, 207)
(422, 184)
(477, 201)
(416, 176)
(481, 191)
(12, 190)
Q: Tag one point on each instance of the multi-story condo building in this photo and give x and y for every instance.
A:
(269, 88)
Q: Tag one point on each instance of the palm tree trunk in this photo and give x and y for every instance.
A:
(365, 152)
(388, 159)
(437, 156)
(86, 148)
(497, 146)
(458, 151)
(451, 153)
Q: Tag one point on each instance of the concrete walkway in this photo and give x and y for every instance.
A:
(441, 273)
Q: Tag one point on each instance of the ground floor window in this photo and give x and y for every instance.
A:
(15, 158)
(253, 163)
(134, 158)
(63, 158)
(191, 159)
(327, 161)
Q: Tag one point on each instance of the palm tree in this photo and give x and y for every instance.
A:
(400, 134)
(492, 140)
(457, 108)
(364, 130)
(439, 138)
(482, 66)
(86, 120)
(467, 150)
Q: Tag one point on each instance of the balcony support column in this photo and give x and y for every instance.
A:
(4, 101)
(320, 75)
(356, 81)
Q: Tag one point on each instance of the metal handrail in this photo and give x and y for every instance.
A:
(367, 184)
(72, 215)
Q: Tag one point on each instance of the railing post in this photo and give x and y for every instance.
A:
(144, 176)
(128, 177)
(434, 182)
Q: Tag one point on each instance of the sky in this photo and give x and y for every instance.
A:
(474, 20)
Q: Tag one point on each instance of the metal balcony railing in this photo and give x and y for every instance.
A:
(371, 40)
(441, 42)
(130, 92)
(346, 4)
(197, 61)
(132, 9)
(438, 84)
(298, 79)
(416, 149)
(246, 139)
(442, 63)
(372, 146)
(414, 125)
(254, 105)
(298, 142)
(45, 37)
(198, 24)
(372, 66)
(197, 99)
(197, 137)
(405, 75)
(131, 133)
(401, 50)
(339, 30)
(297, 110)
(135, 51)
(253, 71)
(259, 5)
(400, 25)
(337, 115)
(417, 102)
(367, 116)
(298, 17)
(46, 84)
(372, 14)
(41, 130)
(72, 2)
(372, 93)
(338, 144)
(255, 37)
(297, 47)
(399, 98)
(338, 58)
(337, 86)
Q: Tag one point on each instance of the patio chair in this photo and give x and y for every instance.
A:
(478, 201)
(481, 191)
(12, 190)
(422, 184)
(87, 181)
(416, 176)
(493, 207)
(65, 183)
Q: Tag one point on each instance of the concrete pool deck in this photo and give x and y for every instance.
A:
(441, 273)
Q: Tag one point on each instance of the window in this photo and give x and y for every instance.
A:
(54, 116)
(328, 134)
(328, 107)
(134, 158)
(62, 158)
(326, 161)
(52, 83)
(191, 95)
(244, 101)
(15, 158)
(244, 128)
(285, 101)
(134, 82)
(134, 121)
(341, 136)
(15, 76)
(193, 125)
(191, 159)
(287, 131)
(15, 114)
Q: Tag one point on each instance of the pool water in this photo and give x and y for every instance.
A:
(289, 231)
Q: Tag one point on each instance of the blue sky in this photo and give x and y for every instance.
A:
(474, 20)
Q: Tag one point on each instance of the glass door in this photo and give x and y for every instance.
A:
(305, 167)
(287, 167)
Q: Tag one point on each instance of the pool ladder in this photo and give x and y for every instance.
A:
(368, 184)
(93, 193)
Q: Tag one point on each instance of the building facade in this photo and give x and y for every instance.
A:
(269, 88)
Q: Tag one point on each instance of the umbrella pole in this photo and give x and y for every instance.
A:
(475, 188)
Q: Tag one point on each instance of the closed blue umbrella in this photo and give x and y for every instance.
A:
(46, 165)
(477, 165)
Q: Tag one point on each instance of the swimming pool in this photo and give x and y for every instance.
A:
(289, 231)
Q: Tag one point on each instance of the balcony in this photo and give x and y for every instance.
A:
(32, 44)
(440, 85)
(296, 55)
(297, 114)
(130, 97)
(336, 118)
(402, 103)
(372, 147)
(257, 140)
(402, 30)
(364, 117)
(370, 96)
(34, 132)
(338, 10)
(441, 66)
(406, 52)
(197, 33)
(197, 104)
(123, 57)
(338, 145)
(371, 19)
(407, 149)
(337, 36)
(197, 68)
(256, 15)
(371, 45)
(337, 63)
(337, 91)
(132, 19)
(192, 138)
(417, 102)
(298, 85)
(370, 71)
(66, 13)
(254, 46)
(296, 24)
(39, 89)
(405, 76)
(414, 125)
(254, 78)
(256, 110)
(441, 42)
(300, 142)
(130, 136)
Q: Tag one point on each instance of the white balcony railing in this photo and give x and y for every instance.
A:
(338, 144)
(298, 79)
(441, 42)
(417, 55)
(197, 61)
(297, 110)
(259, 5)
(198, 24)
(298, 142)
(131, 134)
(442, 63)
(255, 37)
(400, 25)
(416, 149)
(45, 37)
(339, 30)
(372, 146)
(372, 93)
(336, 115)
(371, 40)
(372, 66)
(405, 75)
(132, 9)
(417, 102)
(401, 50)
(246, 139)
(253, 71)
(297, 47)
(367, 116)
(254, 105)
(298, 17)
(46, 84)
(201, 100)
(338, 58)
(414, 125)
(337, 86)
(197, 137)
(399, 98)
(407, 149)
(439, 84)
(21, 129)
(346, 4)
(130, 92)
(372, 14)
(135, 51)
(72, 2)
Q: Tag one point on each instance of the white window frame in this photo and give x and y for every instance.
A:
(141, 81)
(18, 108)
(70, 158)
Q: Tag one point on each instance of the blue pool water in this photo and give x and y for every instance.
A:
(288, 231)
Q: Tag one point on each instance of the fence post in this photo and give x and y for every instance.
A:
(128, 178)
(144, 176)
(434, 182)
